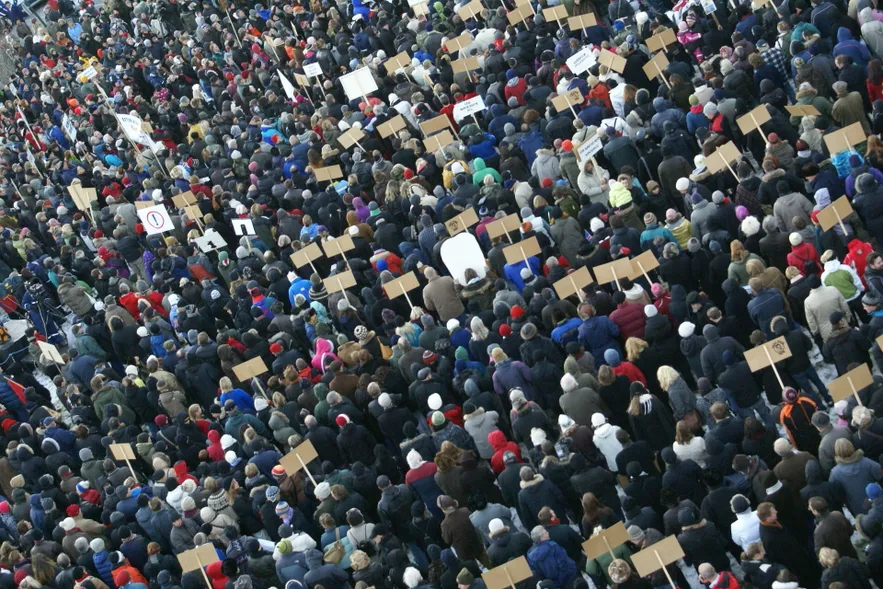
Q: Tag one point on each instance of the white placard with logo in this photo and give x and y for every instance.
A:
(243, 227)
(313, 70)
(155, 219)
(468, 107)
(581, 61)
(358, 83)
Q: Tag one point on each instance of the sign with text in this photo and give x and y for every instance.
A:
(243, 227)
(313, 70)
(469, 107)
(581, 61)
(589, 148)
(210, 242)
(568, 100)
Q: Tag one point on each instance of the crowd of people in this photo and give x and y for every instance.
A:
(474, 417)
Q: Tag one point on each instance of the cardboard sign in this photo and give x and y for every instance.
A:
(155, 219)
(351, 137)
(50, 352)
(753, 120)
(461, 222)
(435, 125)
(83, 197)
(328, 173)
(580, 62)
(250, 369)
(420, 9)
(243, 227)
(143, 204)
(298, 458)
(612, 60)
(643, 264)
(392, 126)
(606, 541)
(613, 271)
(520, 14)
(339, 282)
(313, 70)
(758, 4)
(656, 66)
(458, 43)
(439, 141)
(122, 451)
(305, 255)
(197, 558)
(399, 286)
(210, 242)
(573, 283)
(834, 213)
(760, 357)
(507, 224)
(661, 40)
(302, 80)
(359, 83)
(469, 107)
(845, 138)
(184, 199)
(654, 557)
(467, 64)
(470, 10)
(723, 155)
(568, 99)
(555, 13)
(398, 62)
(507, 575)
(582, 21)
(806, 110)
(337, 247)
(851, 383)
(517, 252)
(587, 149)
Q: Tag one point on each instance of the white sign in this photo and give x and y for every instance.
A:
(589, 148)
(358, 83)
(210, 242)
(581, 61)
(313, 70)
(90, 72)
(288, 86)
(155, 219)
(461, 252)
(68, 126)
(468, 107)
(708, 6)
(415, 2)
(32, 159)
(243, 227)
(131, 125)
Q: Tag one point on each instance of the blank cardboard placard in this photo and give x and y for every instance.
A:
(723, 155)
(507, 224)
(392, 126)
(613, 271)
(467, 64)
(197, 558)
(401, 285)
(351, 137)
(302, 80)
(438, 141)
(192, 211)
(420, 9)
(661, 40)
(461, 222)
(507, 575)
(328, 173)
(573, 282)
(393, 64)
(648, 560)
(184, 199)
(845, 138)
(249, 369)
(611, 60)
(333, 247)
(803, 110)
(520, 14)
(305, 255)
(122, 451)
(656, 66)
(243, 226)
(50, 352)
(75, 190)
(144, 204)
(644, 263)
(753, 120)
(834, 213)
(606, 541)
(358, 83)
(299, 457)
(757, 357)
(555, 13)
(523, 249)
(435, 125)
(470, 10)
(851, 383)
(458, 43)
(339, 282)
(582, 21)
(570, 98)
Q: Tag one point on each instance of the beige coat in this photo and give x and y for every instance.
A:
(819, 305)
(441, 296)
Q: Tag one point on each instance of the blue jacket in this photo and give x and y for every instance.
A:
(597, 335)
(651, 233)
(67, 442)
(846, 45)
(242, 399)
(550, 562)
(104, 568)
(12, 403)
(562, 329)
(513, 272)
(299, 286)
(767, 304)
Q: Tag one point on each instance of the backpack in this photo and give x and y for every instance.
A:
(366, 545)
(809, 266)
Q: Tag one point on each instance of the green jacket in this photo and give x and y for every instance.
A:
(481, 170)
(110, 396)
(86, 345)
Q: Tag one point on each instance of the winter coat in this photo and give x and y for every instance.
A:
(568, 234)
(712, 354)
(546, 165)
(549, 561)
(702, 543)
(507, 545)
(510, 374)
(681, 398)
(850, 572)
(854, 474)
(789, 206)
(440, 296)
(536, 494)
(700, 218)
(850, 109)
(655, 424)
(480, 425)
(818, 307)
(605, 440)
(580, 404)
(75, 297)
(457, 530)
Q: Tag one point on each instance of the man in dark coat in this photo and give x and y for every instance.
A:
(536, 493)
(684, 476)
(457, 530)
(701, 541)
(506, 544)
(782, 547)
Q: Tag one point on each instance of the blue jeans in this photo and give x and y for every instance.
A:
(811, 376)
(762, 409)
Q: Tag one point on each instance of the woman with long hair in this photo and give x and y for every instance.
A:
(648, 361)
(595, 514)
(874, 150)
(681, 399)
(449, 474)
(739, 257)
(482, 337)
(689, 446)
(650, 418)
(758, 441)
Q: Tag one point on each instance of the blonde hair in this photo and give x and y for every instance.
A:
(666, 376)
(829, 557)
(225, 384)
(843, 449)
(448, 457)
(633, 348)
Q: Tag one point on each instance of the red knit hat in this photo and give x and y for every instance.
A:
(505, 330)
(516, 312)
(408, 173)
(275, 348)
(342, 419)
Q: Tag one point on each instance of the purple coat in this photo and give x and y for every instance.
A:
(510, 374)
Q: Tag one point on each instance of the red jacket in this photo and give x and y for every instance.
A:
(858, 257)
(800, 254)
(501, 445)
(631, 372)
(631, 321)
(517, 90)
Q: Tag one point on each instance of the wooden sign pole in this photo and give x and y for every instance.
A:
(239, 41)
(615, 278)
(609, 549)
(570, 106)
(208, 583)
(340, 249)
(257, 382)
(579, 291)
(509, 577)
(526, 262)
(644, 272)
(305, 469)
(759, 130)
(664, 79)
(671, 581)
(407, 298)
(773, 365)
(854, 391)
(842, 228)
